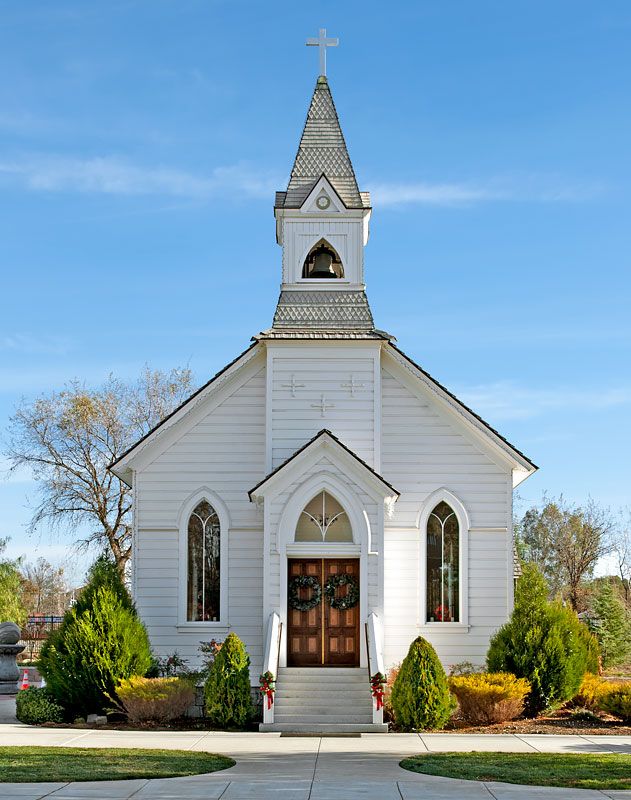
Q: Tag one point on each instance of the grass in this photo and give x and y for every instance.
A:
(65, 764)
(573, 770)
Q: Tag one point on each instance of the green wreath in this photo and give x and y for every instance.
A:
(296, 584)
(350, 599)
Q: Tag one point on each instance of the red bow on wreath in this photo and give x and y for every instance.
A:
(377, 687)
(267, 686)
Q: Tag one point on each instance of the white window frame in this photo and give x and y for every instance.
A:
(445, 495)
(224, 527)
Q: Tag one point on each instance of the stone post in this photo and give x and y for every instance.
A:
(9, 649)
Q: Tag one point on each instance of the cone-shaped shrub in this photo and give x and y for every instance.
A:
(228, 702)
(543, 642)
(420, 695)
(614, 630)
(100, 642)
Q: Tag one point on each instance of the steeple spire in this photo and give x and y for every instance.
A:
(322, 151)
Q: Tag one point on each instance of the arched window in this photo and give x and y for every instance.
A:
(443, 565)
(323, 520)
(202, 594)
(323, 263)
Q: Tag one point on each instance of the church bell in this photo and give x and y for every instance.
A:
(323, 266)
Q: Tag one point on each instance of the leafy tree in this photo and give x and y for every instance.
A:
(227, 689)
(68, 438)
(100, 642)
(543, 642)
(11, 605)
(44, 588)
(622, 553)
(613, 629)
(566, 542)
(420, 696)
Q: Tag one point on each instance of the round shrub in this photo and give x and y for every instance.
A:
(35, 706)
(489, 697)
(420, 696)
(155, 699)
(543, 642)
(100, 642)
(592, 687)
(617, 701)
(228, 702)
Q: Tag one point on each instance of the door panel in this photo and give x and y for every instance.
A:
(323, 636)
(304, 628)
(341, 627)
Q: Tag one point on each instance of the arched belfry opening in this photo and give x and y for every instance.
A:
(323, 262)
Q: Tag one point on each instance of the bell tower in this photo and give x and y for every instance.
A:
(322, 226)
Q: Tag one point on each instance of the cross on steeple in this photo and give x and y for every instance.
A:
(322, 405)
(322, 42)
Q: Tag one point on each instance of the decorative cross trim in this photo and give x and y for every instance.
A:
(352, 385)
(293, 386)
(322, 405)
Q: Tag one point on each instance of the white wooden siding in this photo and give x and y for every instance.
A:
(225, 451)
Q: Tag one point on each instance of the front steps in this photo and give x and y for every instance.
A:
(323, 700)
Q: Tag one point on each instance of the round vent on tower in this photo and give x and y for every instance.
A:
(323, 263)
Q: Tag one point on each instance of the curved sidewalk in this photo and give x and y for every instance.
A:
(271, 767)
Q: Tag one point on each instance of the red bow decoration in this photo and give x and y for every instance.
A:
(267, 686)
(377, 686)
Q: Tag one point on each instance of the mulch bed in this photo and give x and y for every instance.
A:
(560, 722)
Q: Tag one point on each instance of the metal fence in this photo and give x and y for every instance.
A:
(35, 632)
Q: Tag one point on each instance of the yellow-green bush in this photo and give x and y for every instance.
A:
(155, 699)
(592, 687)
(489, 697)
(617, 701)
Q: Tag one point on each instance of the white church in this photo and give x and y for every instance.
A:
(323, 496)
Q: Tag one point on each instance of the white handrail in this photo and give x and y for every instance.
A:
(270, 661)
(374, 641)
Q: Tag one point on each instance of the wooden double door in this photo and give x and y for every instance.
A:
(323, 636)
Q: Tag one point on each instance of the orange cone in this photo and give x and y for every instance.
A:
(24, 680)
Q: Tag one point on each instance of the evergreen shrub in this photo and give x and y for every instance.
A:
(34, 706)
(228, 702)
(613, 630)
(155, 699)
(420, 696)
(544, 642)
(100, 642)
(617, 701)
(486, 698)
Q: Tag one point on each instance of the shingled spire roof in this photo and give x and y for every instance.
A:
(322, 151)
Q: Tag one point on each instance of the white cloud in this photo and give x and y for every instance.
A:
(506, 400)
(111, 175)
(25, 343)
(524, 188)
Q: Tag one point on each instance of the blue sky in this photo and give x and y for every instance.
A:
(141, 143)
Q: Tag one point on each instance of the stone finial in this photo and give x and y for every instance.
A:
(9, 633)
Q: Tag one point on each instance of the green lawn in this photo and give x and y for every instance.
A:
(63, 764)
(575, 770)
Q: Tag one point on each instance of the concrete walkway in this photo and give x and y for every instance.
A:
(271, 767)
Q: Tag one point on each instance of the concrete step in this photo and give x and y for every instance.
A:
(332, 719)
(322, 729)
(362, 703)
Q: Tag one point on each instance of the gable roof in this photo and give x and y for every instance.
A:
(151, 433)
(483, 424)
(322, 433)
(322, 151)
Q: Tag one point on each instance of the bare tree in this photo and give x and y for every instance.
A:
(44, 588)
(566, 542)
(68, 438)
(622, 552)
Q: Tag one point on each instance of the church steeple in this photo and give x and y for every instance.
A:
(322, 225)
(322, 151)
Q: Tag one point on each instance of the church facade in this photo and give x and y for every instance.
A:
(323, 496)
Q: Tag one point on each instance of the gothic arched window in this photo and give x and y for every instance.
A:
(323, 263)
(443, 565)
(323, 520)
(203, 588)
